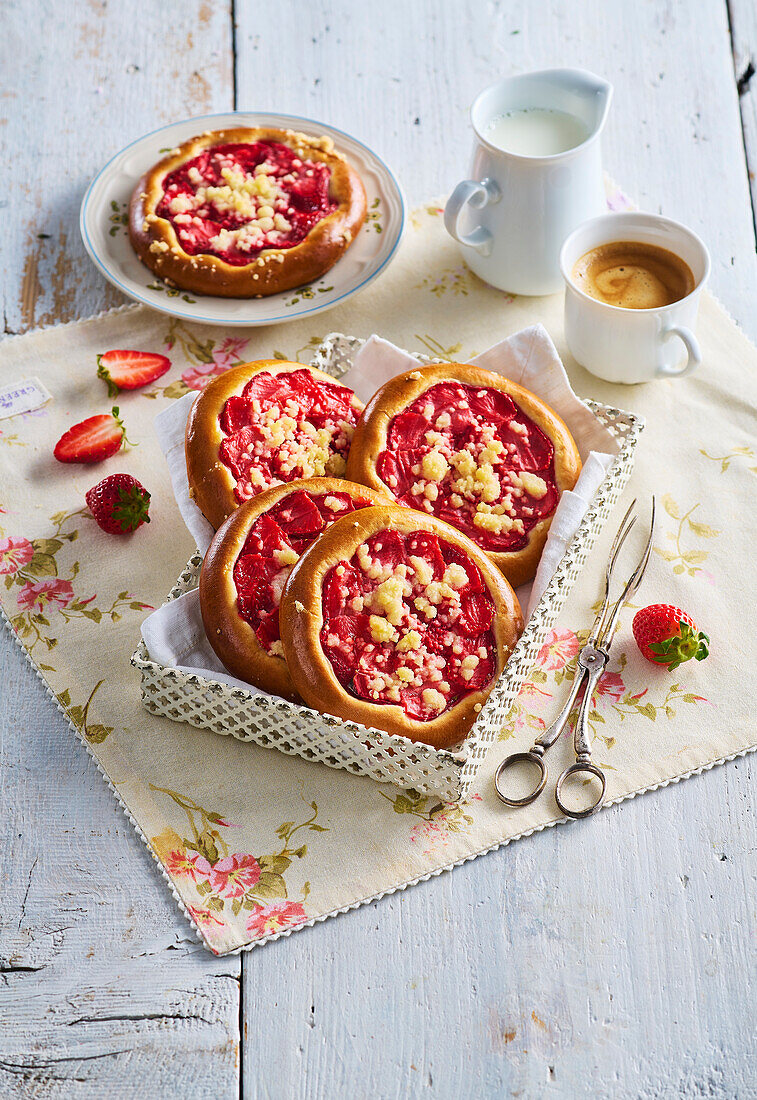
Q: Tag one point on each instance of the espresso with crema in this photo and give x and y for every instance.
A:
(633, 275)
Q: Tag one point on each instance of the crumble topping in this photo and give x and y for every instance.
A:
(408, 621)
(286, 426)
(235, 200)
(472, 457)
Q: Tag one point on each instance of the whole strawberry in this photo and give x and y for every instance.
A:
(668, 636)
(119, 504)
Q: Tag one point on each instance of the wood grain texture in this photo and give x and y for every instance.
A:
(103, 988)
(612, 957)
(743, 24)
(70, 98)
(100, 975)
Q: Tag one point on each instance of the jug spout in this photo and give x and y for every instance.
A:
(594, 95)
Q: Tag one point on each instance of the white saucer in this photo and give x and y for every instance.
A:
(103, 223)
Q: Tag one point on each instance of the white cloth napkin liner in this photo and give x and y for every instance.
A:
(170, 426)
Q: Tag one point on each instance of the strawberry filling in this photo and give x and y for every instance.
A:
(275, 541)
(234, 200)
(408, 620)
(472, 457)
(285, 426)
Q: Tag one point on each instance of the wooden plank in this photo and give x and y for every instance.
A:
(100, 975)
(101, 979)
(743, 22)
(70, 98)
(607, 958)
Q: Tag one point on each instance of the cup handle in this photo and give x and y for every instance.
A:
(694, 358)
(477, 195)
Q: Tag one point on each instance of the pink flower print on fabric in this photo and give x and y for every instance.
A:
(197, 378)
(533, 692)
(233, 875)
(274, 917)
(611, 684)
(39, 596)
(432, 832)
(560, 646)
(204, 918)
(526, 721)
(15, 552)
(179, 863)
(228, 353)
(201, 866)
(435, 830)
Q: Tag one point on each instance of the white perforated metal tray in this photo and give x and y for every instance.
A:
(298, 730)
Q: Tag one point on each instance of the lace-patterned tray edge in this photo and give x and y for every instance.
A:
(298, 730)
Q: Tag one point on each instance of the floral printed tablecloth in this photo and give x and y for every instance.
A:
(256, 844)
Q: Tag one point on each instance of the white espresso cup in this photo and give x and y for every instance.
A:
(633, 345)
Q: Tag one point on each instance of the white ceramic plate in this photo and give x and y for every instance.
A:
(103, 223)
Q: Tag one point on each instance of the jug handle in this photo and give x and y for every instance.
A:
(477, 195)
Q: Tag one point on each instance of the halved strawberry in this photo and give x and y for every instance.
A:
(233, 451)
(346, 629)
(92, 440)
(412, 701)
(252, 574)
(128, 370)
(339, 590)
(425, 545)
(476, 615)
(533, 450)
(298, 514)
(407, 431)
(268, 631)
(388, 547)
(342, 503)
(262, 387)
(492, 404)
(453, 554)
(271, 536)
(235, 415)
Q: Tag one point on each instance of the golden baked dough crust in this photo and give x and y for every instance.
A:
(232, 637)
(211, 483)
(398, 393)
(271, 270)
(301, 620)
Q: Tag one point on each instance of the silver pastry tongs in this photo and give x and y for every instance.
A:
(592, 661)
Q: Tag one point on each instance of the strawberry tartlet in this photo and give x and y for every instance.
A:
(246, 213)
(474, 449)
(396, 620)
(248, 563)
(263, 424)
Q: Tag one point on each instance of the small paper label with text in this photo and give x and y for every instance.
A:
(23, 397)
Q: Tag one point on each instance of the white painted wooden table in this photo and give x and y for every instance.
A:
(613, 959)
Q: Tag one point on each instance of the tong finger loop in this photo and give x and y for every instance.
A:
(582, 766)
(535, 757)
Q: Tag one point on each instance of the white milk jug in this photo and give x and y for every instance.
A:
(536, 174)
